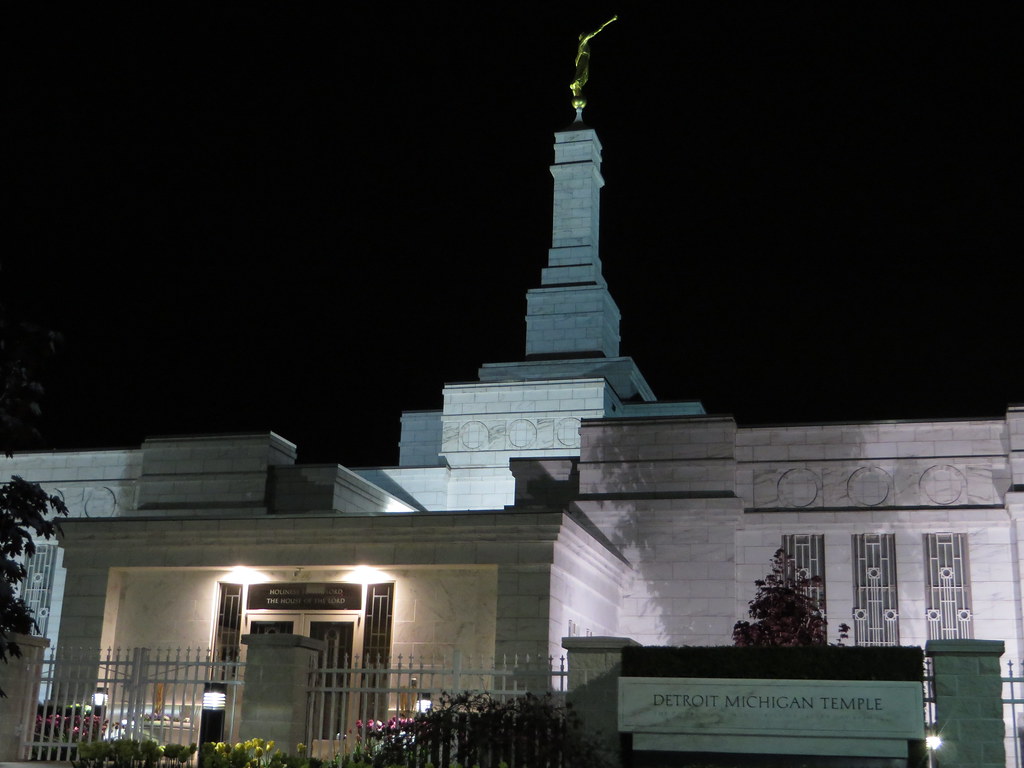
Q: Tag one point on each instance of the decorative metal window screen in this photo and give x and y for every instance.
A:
(229, 623)
(808, 553)
(948, 607)
(377, 633)
(875, 599)
(37, 589)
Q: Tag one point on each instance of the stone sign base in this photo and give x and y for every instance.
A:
(877, 719)
(719, 760)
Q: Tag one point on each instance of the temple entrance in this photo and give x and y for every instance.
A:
(353, 620)
(337, 631)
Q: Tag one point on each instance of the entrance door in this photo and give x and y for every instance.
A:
(339, 637)
(337, 631)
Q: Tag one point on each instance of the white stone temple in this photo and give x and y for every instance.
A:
(553, 497)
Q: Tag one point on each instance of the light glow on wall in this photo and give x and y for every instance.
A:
(242, 574)
(365, 574)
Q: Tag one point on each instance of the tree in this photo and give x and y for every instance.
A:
(25, 508)
(784, 608)
(24, 514)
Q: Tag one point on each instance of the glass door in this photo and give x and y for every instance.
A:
(339, 637)
(338, 631)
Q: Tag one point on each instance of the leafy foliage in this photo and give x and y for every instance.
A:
(24, 507)
(128, 753)
(254, 753)
(71, 725)
(784, 608)
(479, 730)
(24, 513)
(24, 348)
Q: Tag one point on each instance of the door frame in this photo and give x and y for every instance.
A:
(301, 621)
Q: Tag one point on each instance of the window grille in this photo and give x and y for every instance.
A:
(229, 623)
(948, 607)
(807, 551)
(875, 599)
(377, 633)
(37, 589)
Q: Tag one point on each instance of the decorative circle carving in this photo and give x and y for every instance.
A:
(100, 502)
(890, 615)
(798, 488)
(869, 486)
(567, 432)
(860, 614)
(474, 435)
(943, 484)
(933, 614)
(522, 433)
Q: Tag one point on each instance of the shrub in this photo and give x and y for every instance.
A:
(73, 723)
(478, 730)
(129, 753)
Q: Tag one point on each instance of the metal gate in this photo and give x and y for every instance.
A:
(138, 693)
(351, 698)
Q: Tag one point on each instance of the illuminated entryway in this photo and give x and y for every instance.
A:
(354, 620)
(339, 633)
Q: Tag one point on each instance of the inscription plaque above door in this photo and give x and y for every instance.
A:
(323, 596)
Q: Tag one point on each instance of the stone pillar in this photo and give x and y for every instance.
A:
(523, 611)
(85, 614)
(19, 679)
(276, 688)
(595, 665)
(1015, 432)
(968, 702)
(572, 312)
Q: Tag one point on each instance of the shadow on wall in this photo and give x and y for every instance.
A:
(672, 518)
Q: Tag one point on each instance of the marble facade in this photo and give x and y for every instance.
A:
(553, 497)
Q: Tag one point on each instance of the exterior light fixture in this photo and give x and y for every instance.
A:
(933, 742)
(99, 698)
(215, 697)
(211, 723)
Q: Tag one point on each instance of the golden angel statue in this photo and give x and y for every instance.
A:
(583, 66)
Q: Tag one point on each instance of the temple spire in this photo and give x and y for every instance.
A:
(572, 315)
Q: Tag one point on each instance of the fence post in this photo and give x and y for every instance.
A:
(19, 679)
(137, 693)
(456, 670)
(968, 702)
(277, 673)
(595, 665)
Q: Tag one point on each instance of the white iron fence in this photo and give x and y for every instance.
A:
(351, 698)
(139, 693)
(1013, 713)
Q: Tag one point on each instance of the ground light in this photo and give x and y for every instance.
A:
(211, 723)
(932, 743)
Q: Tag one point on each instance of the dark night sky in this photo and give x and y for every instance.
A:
(274, 216)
